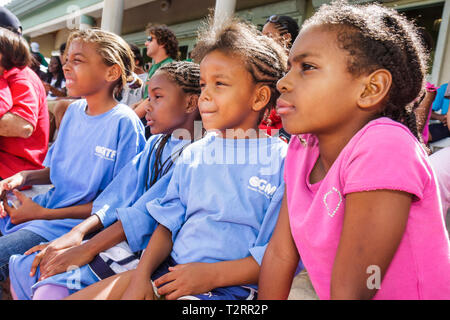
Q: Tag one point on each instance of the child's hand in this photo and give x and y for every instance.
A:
(186, 279)
(28, 210)
(52, 249)
(13, 182)
(139, 289)
(63, 259)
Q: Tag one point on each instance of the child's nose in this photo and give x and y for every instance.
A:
(283, 84)
(147, 105)
(204, 95)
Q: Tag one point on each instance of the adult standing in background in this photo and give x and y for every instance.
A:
(162, 47)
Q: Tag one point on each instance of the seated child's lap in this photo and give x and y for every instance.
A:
(19, 266)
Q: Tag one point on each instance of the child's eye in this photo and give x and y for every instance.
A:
(218, 83)
(307, 67)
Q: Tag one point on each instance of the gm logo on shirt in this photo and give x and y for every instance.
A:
(262, 186)
(105, 153)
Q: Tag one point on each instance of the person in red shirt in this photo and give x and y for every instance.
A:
(24, 120)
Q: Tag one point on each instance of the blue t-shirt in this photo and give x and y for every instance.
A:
(88, 153)
(134, 179)
(222, 201)
(441, 103)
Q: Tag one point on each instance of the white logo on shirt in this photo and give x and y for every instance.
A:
(262, 186)
(105, 153)
(331, 203)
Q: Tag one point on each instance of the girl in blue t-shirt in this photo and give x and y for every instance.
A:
(173, 92)
(97, 138)
(210, 229)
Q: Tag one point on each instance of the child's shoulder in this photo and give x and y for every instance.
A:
(123, 111)
(385, 131)
(77, 106)
(385, 138)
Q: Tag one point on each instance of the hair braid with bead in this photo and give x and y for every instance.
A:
(186, 75)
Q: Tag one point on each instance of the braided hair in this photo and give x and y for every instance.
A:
(378, 37)
(264, 58)
(186, 75)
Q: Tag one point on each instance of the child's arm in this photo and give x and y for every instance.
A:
(158, 249)
(198, 278)
(71, 239)
(82, 254)
(374, 224)
(280, 260)
(30, 210)
(140, 108)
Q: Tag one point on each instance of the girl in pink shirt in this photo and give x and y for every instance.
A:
(361, 200)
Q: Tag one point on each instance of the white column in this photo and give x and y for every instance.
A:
(224, 9)
(112, 16)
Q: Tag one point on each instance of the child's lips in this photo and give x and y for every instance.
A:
(284, 107)
(207, 112)
(150, 121)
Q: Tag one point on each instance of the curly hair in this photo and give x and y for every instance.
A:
(164, 36)
(113, 50)
(264, 58)
(378, 37)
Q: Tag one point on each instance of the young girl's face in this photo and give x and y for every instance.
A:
(227, 94)
(167, 109)
(318, 94)
(53, 65)
(84, 70)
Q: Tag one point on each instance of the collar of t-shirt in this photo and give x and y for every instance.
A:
(156, 66)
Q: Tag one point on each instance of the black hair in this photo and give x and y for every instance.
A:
(137, 54)
(60, 77)
(378, 37)
(285, 25)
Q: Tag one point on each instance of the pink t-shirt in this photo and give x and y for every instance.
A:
(382, 155)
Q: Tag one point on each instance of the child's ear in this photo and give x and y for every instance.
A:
(114, 73)
(262, 97)
(192, 103)
(375, 88)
